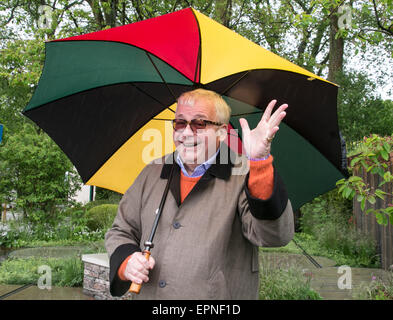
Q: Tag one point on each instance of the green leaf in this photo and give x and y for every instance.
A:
(371, 199)
(389, 210)
(355, 161)
(385, 155)
(355, 179)
(386, 146)
(347, 192)
(381, 219)
(339, 182)
(363, 204)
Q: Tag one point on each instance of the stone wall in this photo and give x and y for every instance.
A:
(96, 277)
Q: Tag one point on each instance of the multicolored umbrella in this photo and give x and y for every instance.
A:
(101, 97)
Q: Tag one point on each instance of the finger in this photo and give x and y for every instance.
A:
(244, 124)
(245, 134)
(137, 277)
(268, 110)
(274, 131)
(276, 121)
(278, 112)
(141, 258)
(152, 263)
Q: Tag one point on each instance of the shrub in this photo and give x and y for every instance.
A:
(280, 284)
(377, 289)
(64, 272)
(328, 222)
(101, 217)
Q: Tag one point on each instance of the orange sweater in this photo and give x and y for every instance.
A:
(260, 185)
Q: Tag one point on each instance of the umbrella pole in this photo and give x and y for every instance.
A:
(135, 288)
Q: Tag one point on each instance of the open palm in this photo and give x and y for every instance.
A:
(257, 142)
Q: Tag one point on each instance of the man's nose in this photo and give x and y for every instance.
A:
(188, 131)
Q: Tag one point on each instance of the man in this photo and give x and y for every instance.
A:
(215, 215)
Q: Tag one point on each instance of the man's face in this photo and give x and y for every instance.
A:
(196, 148)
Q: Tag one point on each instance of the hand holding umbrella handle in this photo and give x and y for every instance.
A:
(135, 287)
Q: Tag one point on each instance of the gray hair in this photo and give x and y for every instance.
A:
(223, 111)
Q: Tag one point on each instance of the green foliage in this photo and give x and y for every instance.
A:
(33, 172)
(280, 284)
(373, 156)
(107, 195)
(376, 289)
(101, 217)
(66, 228)
(328, 231)
(65, 272)
(360, 111)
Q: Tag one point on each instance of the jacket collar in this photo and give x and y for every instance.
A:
(222, 168)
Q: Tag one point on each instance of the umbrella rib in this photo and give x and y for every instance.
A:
(162, 78)
(235, 82)
(247, 113)
(149, 95)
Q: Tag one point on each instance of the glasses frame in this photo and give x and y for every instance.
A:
(192, 124)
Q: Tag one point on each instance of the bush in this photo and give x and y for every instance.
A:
(280, 284)
(64, 272)
(101, 217)
(327, 220)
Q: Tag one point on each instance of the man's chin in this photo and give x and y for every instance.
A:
(191, 157)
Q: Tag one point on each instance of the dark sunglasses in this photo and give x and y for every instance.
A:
(195, 124)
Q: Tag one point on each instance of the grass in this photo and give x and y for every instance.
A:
(66, 272)
(284, 284)
(66, 267)
(362, 254)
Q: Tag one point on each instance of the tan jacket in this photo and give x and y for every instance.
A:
(205, 247)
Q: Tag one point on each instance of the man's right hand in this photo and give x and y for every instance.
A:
(137, 269)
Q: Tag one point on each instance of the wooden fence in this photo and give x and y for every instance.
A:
(367, 224)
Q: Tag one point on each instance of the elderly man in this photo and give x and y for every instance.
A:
(215, 215)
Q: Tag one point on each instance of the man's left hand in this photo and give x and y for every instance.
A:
(257, 142)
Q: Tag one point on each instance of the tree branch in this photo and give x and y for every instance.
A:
(386, 31)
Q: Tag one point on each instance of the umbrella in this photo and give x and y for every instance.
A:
(101, 97)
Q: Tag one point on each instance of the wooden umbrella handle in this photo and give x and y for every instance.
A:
(135, 287)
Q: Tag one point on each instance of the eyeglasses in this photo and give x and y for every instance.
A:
(195, 124)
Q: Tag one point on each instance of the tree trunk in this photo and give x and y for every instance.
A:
(336, 49)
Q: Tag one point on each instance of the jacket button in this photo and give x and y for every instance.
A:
(176, 225)
(161, 283)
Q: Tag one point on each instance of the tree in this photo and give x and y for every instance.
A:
(33, 172)
(361, 111)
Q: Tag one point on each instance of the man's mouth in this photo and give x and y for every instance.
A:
(190, 144)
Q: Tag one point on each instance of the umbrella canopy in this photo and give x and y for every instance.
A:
(101, 97)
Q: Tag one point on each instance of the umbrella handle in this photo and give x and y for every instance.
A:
(135, 287)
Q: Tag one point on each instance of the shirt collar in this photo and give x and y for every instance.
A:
(218, 169)
(200, 169)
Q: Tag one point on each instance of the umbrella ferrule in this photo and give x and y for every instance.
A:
(149, 244)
